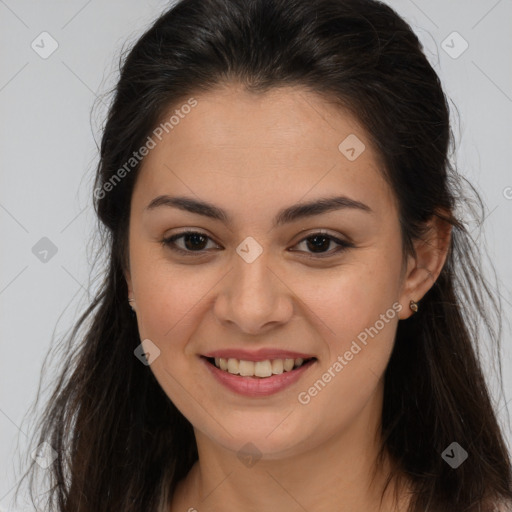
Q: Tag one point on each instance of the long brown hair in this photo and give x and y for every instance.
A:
(120, 442)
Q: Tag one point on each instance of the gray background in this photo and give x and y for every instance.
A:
(48, 154)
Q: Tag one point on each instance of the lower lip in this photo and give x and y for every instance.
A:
(256, 386)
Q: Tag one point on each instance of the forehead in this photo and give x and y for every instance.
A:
(241, 146)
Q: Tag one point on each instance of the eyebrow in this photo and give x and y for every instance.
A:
(284, 216)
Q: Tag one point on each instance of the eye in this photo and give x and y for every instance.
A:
(196, 242)
(318, 242)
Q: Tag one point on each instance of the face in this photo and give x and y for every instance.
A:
(261, 280)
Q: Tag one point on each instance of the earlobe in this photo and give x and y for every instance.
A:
(425, 266)
(128, 279)
(131, 300)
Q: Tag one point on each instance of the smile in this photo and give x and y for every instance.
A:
(260, 369)
(257, 378)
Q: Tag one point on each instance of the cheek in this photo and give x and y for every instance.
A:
(168, 302)
(352, 297)
(168, 295)
(350, 379)
(362, 317)
(360, 310)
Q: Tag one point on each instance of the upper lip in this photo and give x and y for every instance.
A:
(257, 355)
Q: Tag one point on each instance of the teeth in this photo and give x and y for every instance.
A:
(233, 366)
(277, 366)
(262, 368)
(245, 368)
(257, 368)
(289, 364)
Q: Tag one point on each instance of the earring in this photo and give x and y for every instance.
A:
(130, 300)
(413, 305)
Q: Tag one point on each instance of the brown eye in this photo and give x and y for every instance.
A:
(193, 242)
(319, 243)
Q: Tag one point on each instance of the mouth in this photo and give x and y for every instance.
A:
(258, 369)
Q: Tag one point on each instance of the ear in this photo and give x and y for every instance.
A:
(128, 278)
(130, 298)
(424, 267)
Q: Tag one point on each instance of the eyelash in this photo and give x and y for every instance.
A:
(342, 245)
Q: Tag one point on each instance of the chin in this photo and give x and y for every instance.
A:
(265, 442)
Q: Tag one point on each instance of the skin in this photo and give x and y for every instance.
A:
(317, 456)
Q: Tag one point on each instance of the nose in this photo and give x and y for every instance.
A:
(254, 297)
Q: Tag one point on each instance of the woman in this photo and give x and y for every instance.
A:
(288, 320)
